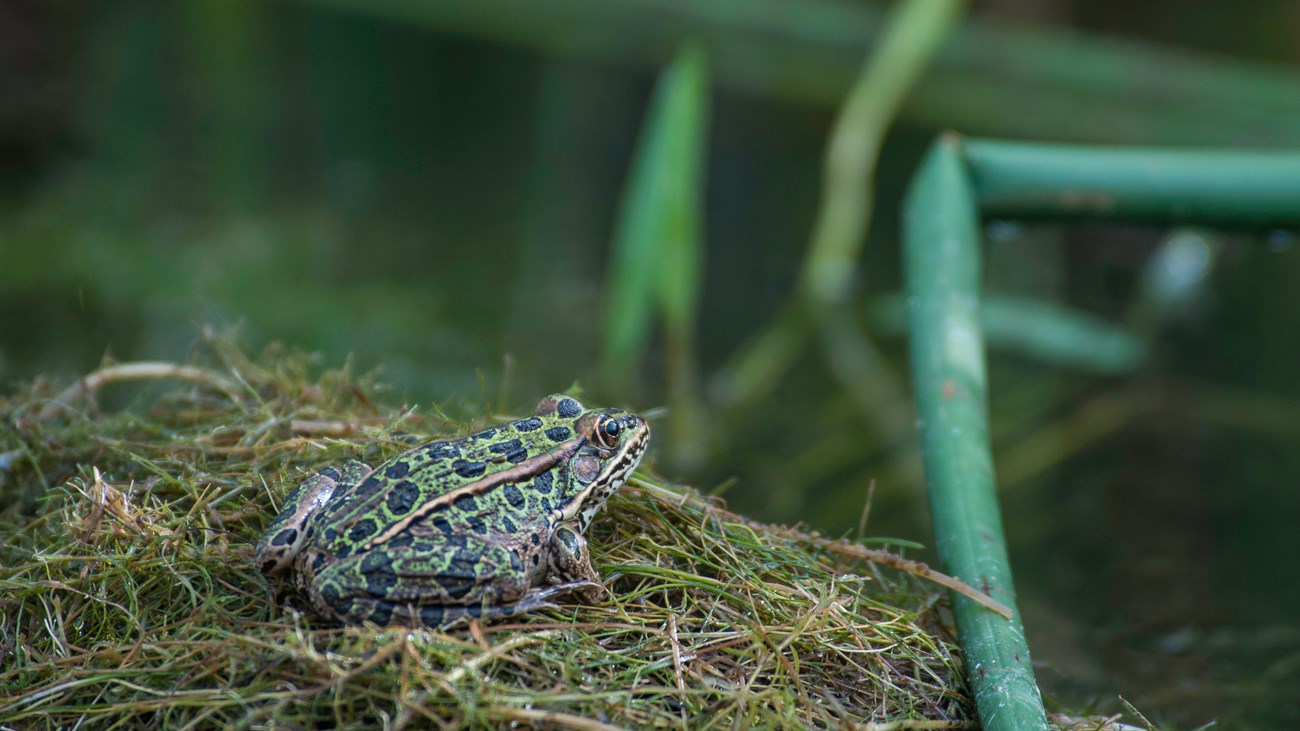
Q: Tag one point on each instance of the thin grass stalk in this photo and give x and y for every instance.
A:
(911, 36)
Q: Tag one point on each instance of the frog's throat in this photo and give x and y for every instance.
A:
(585, 504)
(524, 469)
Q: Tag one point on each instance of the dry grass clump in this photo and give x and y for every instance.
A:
(128, 594)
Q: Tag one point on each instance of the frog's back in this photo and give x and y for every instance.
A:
(395, 491)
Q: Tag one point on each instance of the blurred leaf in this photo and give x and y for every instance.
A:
(656, 259)
(1040, 330)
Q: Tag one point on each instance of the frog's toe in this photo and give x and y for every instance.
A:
(588, 592)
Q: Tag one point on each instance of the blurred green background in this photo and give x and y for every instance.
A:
(491, 201)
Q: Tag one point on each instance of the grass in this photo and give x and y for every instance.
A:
(128, 597)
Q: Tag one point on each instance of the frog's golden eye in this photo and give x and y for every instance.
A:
(607, 431)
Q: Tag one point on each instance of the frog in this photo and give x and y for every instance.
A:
(486, 525)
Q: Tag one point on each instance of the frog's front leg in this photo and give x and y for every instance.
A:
(287, 534)
(571, 562)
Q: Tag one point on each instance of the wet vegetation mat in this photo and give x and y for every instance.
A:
(129, 597)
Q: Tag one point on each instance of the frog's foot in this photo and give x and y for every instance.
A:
(384, 612)
(571, 563)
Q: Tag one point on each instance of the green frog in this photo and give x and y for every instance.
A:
(485, 525)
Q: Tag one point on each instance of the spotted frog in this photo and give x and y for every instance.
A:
(486, 525)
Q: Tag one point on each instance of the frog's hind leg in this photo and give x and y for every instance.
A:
(285, 536)
(384, 612)
(425, 579)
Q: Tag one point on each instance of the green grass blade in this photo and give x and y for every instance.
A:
(911, 37)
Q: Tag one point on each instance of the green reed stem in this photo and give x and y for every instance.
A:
(942, 262)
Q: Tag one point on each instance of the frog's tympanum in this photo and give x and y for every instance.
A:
(486, 525)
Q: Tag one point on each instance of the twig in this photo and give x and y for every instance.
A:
(907, 566)
(144, 370)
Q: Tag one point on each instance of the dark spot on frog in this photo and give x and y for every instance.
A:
(517, 456)
(343, 552)
(440, 523)
(503, 447)
(376, 561)
(508, 525)
(514, 496)
(432, 616)
(537, 558)
(330, 593)
(461, 574)
(543, 482)
(486, 434)
(477, 525)
(267, 566)
(469, 469)
(382, 613)
(465, 503)
(380, 582)
(331, 535)
(516, 565)
(285, 537)
(532, 423)
(568, 408)
(543, 505)
(558, 433)
(535, 539)
(329, 472)
(362, 530)
(569, 539)
(317, 562)
(402, 497)
(372, 482)
(397, 470)
(441, 450)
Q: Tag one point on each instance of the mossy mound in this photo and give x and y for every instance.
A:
(128, 593)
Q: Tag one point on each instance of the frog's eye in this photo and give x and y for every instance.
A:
(607, 431)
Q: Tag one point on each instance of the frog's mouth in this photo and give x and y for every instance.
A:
(618, 467)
